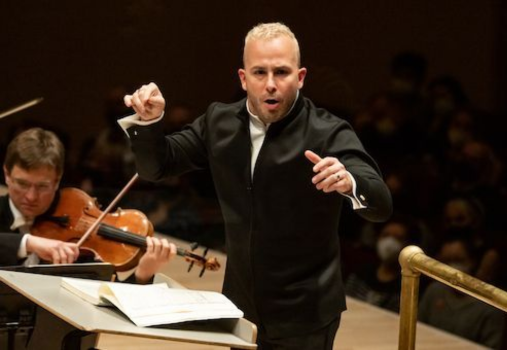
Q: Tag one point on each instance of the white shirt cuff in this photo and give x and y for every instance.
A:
(134, 119)
(123, 275)
(22, 253)
(356, 203)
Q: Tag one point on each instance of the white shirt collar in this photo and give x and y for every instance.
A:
(258, 132)
(19, 219)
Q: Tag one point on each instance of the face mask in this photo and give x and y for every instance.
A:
(456, 137)
(443, 106)
(388, 249)
(386, 126)
(402, 87)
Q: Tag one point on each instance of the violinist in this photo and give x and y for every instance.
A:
(33, 168)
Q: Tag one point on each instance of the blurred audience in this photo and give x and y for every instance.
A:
(379, 284)
(389, 123)
(445, 166)
(106, 163)
(445, 96)
(463, 218)
(448, 309)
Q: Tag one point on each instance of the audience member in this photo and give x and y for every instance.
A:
(390, 123)
(380, 284)
(463, 218)
(448, 309)
(408, 72)
(477, 171)
(445, 96)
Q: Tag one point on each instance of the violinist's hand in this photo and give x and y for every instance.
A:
(331, 174)
(52, 250)
(147, 102)
(158, 253)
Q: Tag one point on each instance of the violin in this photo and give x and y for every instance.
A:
(119, 238)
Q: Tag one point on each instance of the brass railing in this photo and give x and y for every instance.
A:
(413, 262)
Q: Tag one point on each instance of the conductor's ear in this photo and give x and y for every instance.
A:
(242, 78)
(301, 77)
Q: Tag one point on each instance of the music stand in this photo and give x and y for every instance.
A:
(64, 321)
(17, 313)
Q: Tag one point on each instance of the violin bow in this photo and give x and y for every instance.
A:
(21, 107)
(107, 210)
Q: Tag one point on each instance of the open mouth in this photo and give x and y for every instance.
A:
(272, 103)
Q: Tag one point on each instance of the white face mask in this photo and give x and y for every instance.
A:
(443, 106)
(457, 137)
(388, 249)
(386, 126)
(402, 86)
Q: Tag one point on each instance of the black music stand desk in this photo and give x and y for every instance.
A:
(65, 321)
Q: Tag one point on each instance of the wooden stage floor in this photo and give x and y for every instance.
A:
(363, 326)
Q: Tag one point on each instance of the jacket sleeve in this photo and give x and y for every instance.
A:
(9, 245)
(371, 189)
(158, 155)
(375, 196)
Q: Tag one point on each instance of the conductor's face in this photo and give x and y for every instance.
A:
(271, 77)
(31, 191)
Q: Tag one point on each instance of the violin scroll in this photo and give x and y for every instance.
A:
(211, 264)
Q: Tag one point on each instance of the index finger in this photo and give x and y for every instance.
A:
(75, 250)
(312, 157)
(173, 248)
(320, 163)
(127, 99)
(149, 243)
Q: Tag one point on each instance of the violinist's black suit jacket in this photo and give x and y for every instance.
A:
(283, 267)
(9, 240)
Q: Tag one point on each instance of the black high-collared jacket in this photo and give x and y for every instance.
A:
(283, 267)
